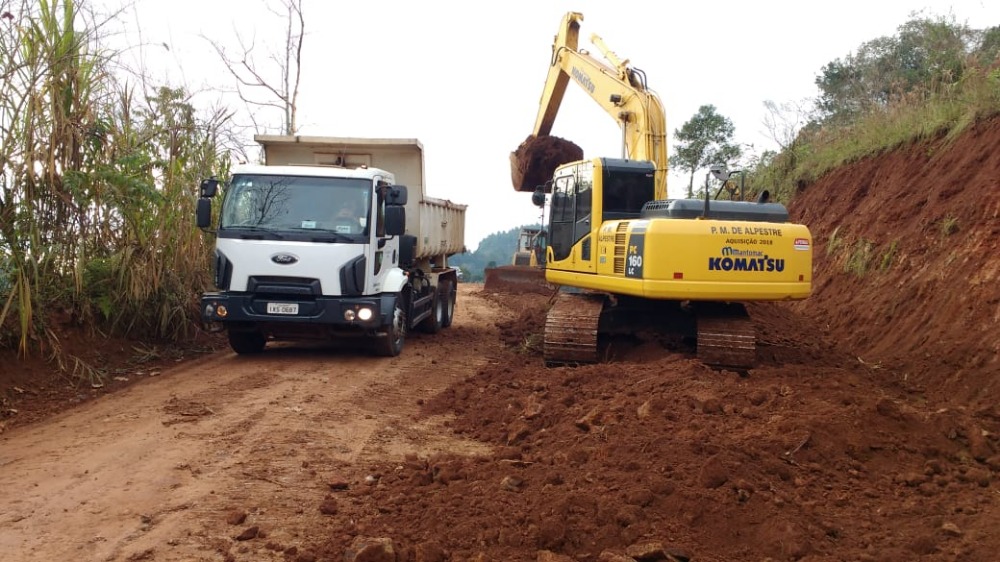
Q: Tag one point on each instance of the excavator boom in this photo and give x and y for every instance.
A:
(619, 89)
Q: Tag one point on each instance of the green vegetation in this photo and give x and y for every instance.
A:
(931, 80)
(496, 249)
(705, 139)
(889, 255)
(97, 195)
(949, 226)
(860, 258)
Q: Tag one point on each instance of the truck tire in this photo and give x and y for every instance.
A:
(391, 344)
(433, 323)
(449, 292)
(247, 343)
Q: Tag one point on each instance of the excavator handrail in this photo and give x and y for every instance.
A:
(619, 89)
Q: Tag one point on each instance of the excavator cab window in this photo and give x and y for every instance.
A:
(572, 196)
(564, 199)
(625, 192)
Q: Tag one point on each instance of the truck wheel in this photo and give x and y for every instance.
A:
(391, 344)
(433, 323)
(449, 292)
(247, 343)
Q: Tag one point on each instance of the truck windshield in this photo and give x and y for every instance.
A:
(265, 203)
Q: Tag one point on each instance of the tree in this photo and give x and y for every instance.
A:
(925, 54)
(989, 46)
(705, 139)
(784, 121)
(253, 85)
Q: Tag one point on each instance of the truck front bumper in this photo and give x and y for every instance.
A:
(250, 311)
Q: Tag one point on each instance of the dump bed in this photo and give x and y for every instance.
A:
(437, 224)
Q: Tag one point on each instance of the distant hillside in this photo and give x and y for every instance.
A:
(496, 249)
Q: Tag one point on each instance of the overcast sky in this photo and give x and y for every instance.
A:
(465, 77)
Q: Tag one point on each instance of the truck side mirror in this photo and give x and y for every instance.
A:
(396, 195)
(209, 187)
(203, 212)
(395, 220)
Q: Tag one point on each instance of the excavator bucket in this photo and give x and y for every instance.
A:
(535, 160)
(516, 279)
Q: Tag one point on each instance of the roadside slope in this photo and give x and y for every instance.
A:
(923, 222)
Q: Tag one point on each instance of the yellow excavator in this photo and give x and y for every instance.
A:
(628, 258)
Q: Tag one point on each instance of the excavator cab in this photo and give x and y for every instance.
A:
(605, 188)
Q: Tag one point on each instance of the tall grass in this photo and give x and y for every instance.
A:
(97, 189)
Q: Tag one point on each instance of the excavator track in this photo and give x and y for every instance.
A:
(728, 341)
(726, 337)
(571, 329)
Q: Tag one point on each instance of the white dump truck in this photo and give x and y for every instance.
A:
(331, 238)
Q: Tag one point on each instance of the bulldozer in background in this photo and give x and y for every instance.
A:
(624, 256)
(526, 272)
(531, 246)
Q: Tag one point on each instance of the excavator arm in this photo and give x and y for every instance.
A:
(567, 38)
(619, 89)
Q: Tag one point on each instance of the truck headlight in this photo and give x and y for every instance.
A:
(365, 314)
(349, 315)
(213, 310)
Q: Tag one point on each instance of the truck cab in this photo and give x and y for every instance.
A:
(323, 252)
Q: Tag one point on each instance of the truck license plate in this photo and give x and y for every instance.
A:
(282, 308)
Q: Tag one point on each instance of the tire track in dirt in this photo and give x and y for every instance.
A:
(378, 424)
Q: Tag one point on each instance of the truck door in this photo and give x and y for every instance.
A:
(385, 250)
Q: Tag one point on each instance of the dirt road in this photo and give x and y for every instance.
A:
(155, 471)
(466, 448)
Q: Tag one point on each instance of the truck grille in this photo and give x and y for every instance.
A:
(284, 286)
